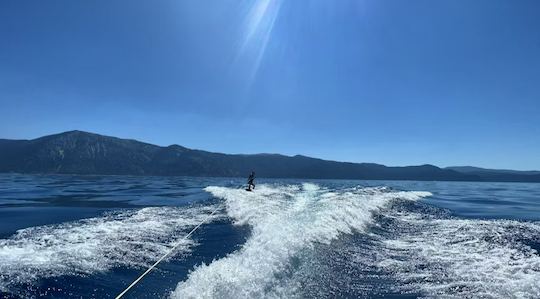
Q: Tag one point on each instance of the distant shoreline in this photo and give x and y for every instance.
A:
(83, 153)
(244, 178)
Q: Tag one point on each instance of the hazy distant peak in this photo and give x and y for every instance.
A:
(80, 152)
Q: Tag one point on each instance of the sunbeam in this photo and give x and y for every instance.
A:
(257, 29)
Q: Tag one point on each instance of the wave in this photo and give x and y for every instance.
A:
(286, 222)
(133, 238)
(463, 258)
(305, 241)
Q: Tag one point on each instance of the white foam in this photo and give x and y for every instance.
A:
(458, 258)
(286, 221)
(130, 238)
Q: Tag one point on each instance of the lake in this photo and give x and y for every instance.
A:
(66, 236)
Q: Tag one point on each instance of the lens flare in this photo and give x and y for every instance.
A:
(258, 25)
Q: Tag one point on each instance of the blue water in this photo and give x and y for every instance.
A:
(90, 236)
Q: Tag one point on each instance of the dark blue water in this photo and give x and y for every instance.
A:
(90, 236)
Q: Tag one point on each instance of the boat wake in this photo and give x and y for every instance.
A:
(293, 241)
(287, 222)
(134, 238)
(312, 242)
(462, 258)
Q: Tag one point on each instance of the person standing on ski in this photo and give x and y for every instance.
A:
(251, 183)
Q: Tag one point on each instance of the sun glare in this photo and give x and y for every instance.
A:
(258, 25)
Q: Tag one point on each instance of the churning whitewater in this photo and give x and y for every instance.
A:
(286, 239)
(131, 238)
(287, 222)
(308, 241)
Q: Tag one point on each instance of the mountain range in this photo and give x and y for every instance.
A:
(78, 152)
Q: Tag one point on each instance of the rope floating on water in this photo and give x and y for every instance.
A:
(166, 254)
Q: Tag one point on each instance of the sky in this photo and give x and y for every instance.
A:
(393, 82)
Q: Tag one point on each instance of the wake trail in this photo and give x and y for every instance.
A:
(132, 238)
(286, 222)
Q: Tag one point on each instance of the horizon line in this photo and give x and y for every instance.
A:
(263, 153)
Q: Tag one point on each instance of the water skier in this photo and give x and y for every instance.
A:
(251, 183)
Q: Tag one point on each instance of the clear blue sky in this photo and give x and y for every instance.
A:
(392, 82)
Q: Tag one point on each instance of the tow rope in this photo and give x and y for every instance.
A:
(166, 254)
